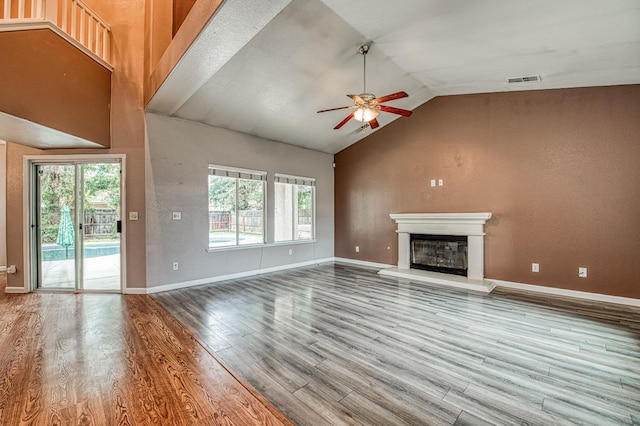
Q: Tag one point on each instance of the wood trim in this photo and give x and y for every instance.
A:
(201, 12)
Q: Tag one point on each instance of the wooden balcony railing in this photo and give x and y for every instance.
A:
(73, 17)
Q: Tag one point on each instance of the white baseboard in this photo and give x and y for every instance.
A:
(137, 290)
(362, 262)
(15, 290)
(185, 284)
(569, 293)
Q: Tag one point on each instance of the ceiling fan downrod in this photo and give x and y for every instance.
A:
(366, 105)
(364, 49)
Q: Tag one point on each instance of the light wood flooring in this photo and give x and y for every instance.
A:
(338, 344)
(98, 359)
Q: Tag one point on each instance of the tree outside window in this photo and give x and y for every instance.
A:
(236, 207)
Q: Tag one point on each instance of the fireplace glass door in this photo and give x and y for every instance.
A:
(440, 253)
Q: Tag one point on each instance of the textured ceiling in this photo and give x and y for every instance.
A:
(265, 68)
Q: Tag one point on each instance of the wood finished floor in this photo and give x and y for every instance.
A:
(97, 359)
(337, 344)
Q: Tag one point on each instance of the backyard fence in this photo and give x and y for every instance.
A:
(249, 221)
(98, 223)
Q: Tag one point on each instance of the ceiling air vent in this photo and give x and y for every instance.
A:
(527, 79)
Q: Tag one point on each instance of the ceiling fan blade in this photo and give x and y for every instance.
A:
(335, 109)
(374, 123)
(343, 122)
(391, 97)
(357, 99)
(399, 111)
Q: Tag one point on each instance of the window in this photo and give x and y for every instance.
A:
(236, 207)
(294, 208)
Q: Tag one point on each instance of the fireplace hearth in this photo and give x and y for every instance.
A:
(452, 255)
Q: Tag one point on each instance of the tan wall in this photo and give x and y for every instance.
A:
(181, 9)
(199, 15)
(126, 18)
(158, 31)
(50, 82)
(15, 212)
(558, 169)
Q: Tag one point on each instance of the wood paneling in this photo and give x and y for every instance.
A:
(342, 345)
(558, 169)
(112, 359)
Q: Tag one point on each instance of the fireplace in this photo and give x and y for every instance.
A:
(439, 253)
(452, 254)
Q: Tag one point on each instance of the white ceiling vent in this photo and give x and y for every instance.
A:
(527, 79)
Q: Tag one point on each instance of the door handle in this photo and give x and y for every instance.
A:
(119, 226)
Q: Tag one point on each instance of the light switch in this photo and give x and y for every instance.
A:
(440, 182)
(433, 182)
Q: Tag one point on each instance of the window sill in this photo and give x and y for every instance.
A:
(260, 246)
(290, 242)
(231, 248)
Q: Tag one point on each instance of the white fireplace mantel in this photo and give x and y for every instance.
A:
(470, 225)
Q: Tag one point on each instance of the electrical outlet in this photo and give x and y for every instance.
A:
(290, 252)
(133, 215)
(175, 266)
(176, 215)
(582, 272)
(357, 249)
(440, 182)
(535, 267)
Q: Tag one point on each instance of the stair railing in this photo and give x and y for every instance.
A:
(73, 17)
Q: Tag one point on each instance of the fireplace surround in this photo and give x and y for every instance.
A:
(469, 225)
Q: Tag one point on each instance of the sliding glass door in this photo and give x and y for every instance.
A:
(76, 225)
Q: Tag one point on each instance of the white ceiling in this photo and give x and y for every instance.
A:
(266, 67)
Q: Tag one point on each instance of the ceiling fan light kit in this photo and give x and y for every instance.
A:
(365, 114)
(366, 105)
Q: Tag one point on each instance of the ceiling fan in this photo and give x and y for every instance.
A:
(366, 105)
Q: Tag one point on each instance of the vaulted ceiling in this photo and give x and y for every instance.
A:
(266, 67)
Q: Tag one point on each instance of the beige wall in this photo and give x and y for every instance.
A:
(127, 137)
(558, 169)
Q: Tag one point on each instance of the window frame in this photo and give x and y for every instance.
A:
(238, 174)
(293, 182)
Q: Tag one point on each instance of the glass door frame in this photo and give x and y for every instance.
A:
(30, 247)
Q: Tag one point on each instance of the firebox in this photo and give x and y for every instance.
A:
(439, 253)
